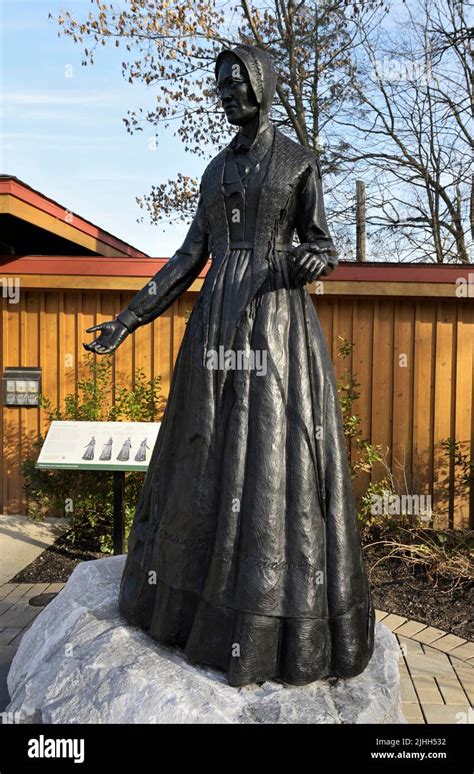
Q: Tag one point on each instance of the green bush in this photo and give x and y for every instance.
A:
(86, 496)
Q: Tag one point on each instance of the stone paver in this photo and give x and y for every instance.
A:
(427, 665)
(40, 588)
(465, 675)
(8, 634)
(427, 689)
(430, 634)
(5, 605)
(407, 690)
(408, 645)
(413, 713)
(437, 684)
(16, 615)
(410, 628)
(464, 652)
(449, 642)
(6, 588)
(19, 615)
(393, 621)
(19, 591)
(440, 713)
(452, 690)
(55, 588)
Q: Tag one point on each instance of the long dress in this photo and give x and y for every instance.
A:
(140, 456)
(89, 452)
(245, 549)
(124, 452)
(106, 453)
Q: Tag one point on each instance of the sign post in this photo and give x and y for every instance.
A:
(119, 520)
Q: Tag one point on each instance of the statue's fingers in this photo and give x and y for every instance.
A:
(313, 265)
(300, 257)
(310, 271)
(316, 273)
(97, 327)
(302, 265)
(318, 264)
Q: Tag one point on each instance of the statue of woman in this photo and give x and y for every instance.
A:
(140, 456)
(89, 452)
(245, 549)
(106, 453)
(124, 452)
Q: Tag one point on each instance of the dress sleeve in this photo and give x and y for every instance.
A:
(311, 224)
(173, 279)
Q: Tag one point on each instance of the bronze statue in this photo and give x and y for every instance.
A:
(245, 549)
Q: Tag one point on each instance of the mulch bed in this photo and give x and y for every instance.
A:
(395, 589)
(56, 563)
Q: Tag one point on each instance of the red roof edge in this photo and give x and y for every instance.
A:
(147, 266)
(10, 185)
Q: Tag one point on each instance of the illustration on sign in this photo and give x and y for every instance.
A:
(96, 445)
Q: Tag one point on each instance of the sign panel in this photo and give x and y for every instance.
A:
(99, 445)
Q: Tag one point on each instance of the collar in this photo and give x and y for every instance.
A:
(254, 151)
(244, 143)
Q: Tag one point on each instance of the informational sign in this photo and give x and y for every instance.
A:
(99, 445)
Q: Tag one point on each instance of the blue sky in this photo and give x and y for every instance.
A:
(65, 136)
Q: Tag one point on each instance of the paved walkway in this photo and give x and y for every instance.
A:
(16, 615)
(437, 672)
(23, 540)
(437, 669)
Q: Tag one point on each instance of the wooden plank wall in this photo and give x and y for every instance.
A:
(413, 358)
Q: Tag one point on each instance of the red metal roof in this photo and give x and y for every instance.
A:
(10, 185)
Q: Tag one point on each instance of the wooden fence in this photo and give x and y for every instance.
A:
(412, 330)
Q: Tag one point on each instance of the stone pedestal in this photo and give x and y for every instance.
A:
(81, 663)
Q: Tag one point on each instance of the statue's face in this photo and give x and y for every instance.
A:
(235, 92)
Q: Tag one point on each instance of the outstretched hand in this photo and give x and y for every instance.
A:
(112, 334)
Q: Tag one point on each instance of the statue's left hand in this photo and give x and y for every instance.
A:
(307, 265)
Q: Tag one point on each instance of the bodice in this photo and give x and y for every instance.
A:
(242, 186)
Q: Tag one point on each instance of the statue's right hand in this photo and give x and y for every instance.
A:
(112, 334)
